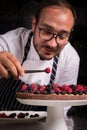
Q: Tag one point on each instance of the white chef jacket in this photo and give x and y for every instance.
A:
(68, 63)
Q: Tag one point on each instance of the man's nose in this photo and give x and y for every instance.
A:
(52, 42)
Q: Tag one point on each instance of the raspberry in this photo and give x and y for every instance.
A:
(69, 90)
(85, 88)
(65, 87)
(79, 88)
(47, 70)
(34, 87)
(42, 88)
(57, 89)
(3, 115)
(55, 85)
(24, 87)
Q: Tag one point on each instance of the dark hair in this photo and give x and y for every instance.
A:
(58, 3)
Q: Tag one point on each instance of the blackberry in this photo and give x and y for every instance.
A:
(44, 92)
(63, 92)
(79, 92)
(68, 92)
(35, 92)
(74, 92)
(21, 115)
(36, 115)
(51, 91)
(26, 114)
(31, 116)
(73, 87)
(57, 92)
(12, 115)
(30, 89)
(85, 92)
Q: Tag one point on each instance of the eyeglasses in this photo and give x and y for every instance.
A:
(47, 35)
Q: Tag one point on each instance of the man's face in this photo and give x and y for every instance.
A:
(53, 20)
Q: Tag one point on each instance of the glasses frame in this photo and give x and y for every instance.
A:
(54, 35)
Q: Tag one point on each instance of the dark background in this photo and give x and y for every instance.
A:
(17, 13)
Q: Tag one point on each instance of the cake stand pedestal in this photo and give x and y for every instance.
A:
(55, 111)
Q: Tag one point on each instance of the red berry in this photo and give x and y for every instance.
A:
(47, 70)
(79, 88)
(55, 85)
(57, 89)
(24, 87)
(65, 87)
(34, 87)
(42, 88)
(3, 115)
(69, 90)
(85, 88)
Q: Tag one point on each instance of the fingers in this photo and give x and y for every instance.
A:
(14, 65)
(3, 72)
(10, 62)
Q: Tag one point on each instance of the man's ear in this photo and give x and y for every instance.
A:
(33, 23)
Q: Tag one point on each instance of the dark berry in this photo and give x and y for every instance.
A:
(73, 87)
(74, 92)
(21, 115)
(26, 114)
(12, 115)
(31, 116)
(79, 92)
(36, 115)
(85, 92)
(63, 92)
(51, 91)
(3, 115)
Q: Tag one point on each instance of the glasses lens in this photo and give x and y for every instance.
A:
(62, 37)
(45, 34)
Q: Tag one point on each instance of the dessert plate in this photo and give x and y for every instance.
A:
(26, 119)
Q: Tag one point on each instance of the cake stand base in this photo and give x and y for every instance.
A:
(55, 119)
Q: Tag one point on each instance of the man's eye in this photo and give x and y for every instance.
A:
(62, 36)
(47, 32)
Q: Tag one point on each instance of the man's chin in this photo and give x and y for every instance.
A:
(45, 58)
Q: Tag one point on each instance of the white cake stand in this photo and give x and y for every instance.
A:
(55, 111)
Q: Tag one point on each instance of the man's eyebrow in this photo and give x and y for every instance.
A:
(47, 26)
(64, 32)
(50, 28)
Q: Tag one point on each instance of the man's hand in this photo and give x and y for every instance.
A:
(9, 63)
